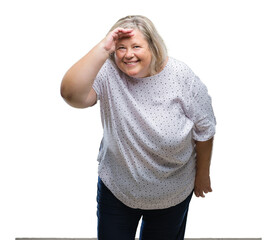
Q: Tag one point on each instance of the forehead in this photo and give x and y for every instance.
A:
(136, 38)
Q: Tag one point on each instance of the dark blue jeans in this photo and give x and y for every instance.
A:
(118, 221)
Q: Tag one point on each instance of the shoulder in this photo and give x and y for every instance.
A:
(109, 66)
(179, 66)
(181, 70)
(108, 70)
(187, 78)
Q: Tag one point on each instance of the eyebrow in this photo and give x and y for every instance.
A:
(133, 44)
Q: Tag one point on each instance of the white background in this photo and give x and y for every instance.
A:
(48, 150)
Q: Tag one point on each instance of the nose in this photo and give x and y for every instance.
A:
(129, 53)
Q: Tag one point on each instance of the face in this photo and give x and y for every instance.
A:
(133, 56)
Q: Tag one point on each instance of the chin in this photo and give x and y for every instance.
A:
(132, 73)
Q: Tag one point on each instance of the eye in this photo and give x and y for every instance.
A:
(136, 46)
(120, 48)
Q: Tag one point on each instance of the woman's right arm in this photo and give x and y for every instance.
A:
(76, 86)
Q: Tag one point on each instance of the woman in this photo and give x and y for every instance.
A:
(158, 131)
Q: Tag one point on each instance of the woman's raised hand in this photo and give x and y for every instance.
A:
(110, 40)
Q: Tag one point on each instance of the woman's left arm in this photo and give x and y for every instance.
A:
(203, 160)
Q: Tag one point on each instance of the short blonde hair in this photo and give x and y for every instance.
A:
(155, 42)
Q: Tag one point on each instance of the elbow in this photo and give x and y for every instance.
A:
(70, 97)
(67, 89)
(65, 93)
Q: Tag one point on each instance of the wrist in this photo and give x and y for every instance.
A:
(104, 51)
(106, 46)
(203, 171)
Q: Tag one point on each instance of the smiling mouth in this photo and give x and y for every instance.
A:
(131, 63)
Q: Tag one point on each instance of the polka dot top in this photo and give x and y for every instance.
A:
(147, 156)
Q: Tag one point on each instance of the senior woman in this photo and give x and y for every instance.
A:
(158, 128)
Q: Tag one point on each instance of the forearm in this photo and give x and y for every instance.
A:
(77, 82)
(203, 160)
(203, 156)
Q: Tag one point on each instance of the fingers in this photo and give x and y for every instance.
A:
(111, 39)
(119, 33)
(202, 185)
(123, 30)
(199, 192)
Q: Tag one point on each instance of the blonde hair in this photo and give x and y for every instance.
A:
(155, 42)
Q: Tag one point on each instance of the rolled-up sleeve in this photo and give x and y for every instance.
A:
(200, 111)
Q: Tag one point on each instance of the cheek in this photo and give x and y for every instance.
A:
(148, 58)
(116, 56)
(147, 55)
(119, 55)
(117, 59)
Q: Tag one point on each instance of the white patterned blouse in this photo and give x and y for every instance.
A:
(147, 154)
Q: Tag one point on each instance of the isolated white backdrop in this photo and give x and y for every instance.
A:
(48, 168)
